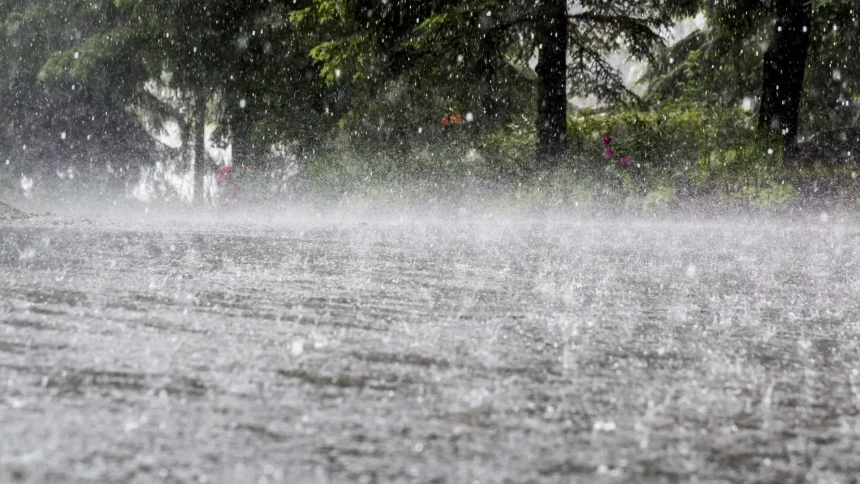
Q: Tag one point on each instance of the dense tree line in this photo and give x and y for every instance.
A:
(795, 58)
(91, 81)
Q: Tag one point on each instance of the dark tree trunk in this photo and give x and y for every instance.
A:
(784, 67)
(552, 82)
(240, 133)
(489, 101)
(199, 147)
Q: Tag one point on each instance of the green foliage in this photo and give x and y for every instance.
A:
(660, 199)
(86, 64)
(355, 90)
(73, 122)
(773, 196)
(672, 140)
(427, 59)
(706, 69)
(832, 86)
(722, 65)
(511, 150)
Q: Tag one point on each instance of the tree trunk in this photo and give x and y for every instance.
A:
(782, 76)
(240, 132)
(489, 101)
(552, 83)
(199, 147)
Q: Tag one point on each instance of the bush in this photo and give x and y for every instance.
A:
(774, 196)
(659, 199)
(693, 149)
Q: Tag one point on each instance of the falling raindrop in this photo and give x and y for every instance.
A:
(690, 272)
(297, 347)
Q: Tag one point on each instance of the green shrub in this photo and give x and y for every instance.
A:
(703, 150)
(511, 152)
(677, 153)
(660, 198)
(775, 195)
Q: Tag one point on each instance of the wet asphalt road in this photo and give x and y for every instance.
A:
(450, 350)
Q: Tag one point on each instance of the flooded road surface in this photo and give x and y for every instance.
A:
(440, 351)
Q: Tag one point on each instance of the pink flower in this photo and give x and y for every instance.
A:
(607, 139)
(223, 175)
(625, 161)
(608, 152)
